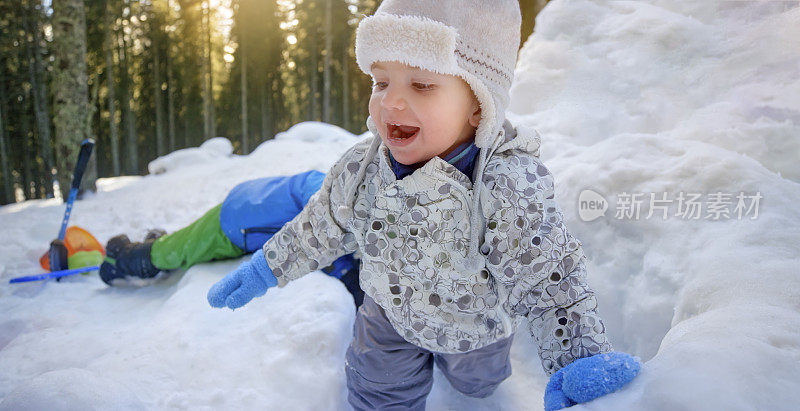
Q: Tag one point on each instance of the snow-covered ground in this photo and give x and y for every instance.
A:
(659, 97)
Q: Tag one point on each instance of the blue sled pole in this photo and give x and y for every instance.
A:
(58, 252)
(80, 166)
(56, 274)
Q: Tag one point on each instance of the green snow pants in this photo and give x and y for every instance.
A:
(199, 242)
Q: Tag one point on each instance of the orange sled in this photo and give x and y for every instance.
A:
(76, 240)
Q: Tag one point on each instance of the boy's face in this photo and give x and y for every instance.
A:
(441, 106)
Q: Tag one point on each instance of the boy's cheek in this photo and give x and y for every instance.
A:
(373, 112)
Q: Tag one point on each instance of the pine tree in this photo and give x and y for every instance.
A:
(208, 77)
(326, 88)
(170, 83)
(109, 46)
(8, 185)
(127, 98)
(155, 43)
(70, 86)
(243, 76)
(39, 89)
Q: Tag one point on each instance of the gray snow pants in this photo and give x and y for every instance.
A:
(385, 372)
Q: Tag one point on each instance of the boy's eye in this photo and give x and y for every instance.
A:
(419, 86)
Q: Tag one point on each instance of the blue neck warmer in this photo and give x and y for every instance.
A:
(462, 158)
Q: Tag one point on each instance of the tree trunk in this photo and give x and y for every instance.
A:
(243, 64)
(88, 183)
(277, 109)
(212, 109)
(211, 76)
(186, 138)
(45, 137)
(208, 120)
(70, 86)
(129, 117)
(38, 86)
(157, 96)
(264, 109)
(30, 151)
(27, 154)
(112, 104)
(8, 183)
(326, 87)
(170, 85)
(170, 102)
(314, 86)
(345, 89)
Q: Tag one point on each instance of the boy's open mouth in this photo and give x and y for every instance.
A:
(400, 132)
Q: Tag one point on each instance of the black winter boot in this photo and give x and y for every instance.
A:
(108, 270)
(154, 234)
(126, 259)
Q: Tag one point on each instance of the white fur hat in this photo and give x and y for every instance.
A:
(476, 40)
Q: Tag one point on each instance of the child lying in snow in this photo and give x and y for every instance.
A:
(454, 215)
(237, 226)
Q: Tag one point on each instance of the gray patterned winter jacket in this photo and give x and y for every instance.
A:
(455, 267)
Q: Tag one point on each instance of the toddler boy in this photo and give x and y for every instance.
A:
(455, 218)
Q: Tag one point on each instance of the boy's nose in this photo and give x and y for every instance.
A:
(393, 99)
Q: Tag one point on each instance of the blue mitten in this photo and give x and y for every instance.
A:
(588, 378)
(554, 398)
(252, 279)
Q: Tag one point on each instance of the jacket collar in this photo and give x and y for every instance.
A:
(435, 168)
(462, 158)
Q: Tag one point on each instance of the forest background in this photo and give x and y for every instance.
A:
(147, 77)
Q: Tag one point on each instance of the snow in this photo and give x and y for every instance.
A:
(315, 131)
(630, 97)
(210, 150)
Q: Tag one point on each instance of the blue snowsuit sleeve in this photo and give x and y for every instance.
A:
(255, 210)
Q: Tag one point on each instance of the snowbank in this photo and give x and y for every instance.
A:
(317, 132)
(630, 97)
(210, 151)
(79, 344)
(664, 97)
